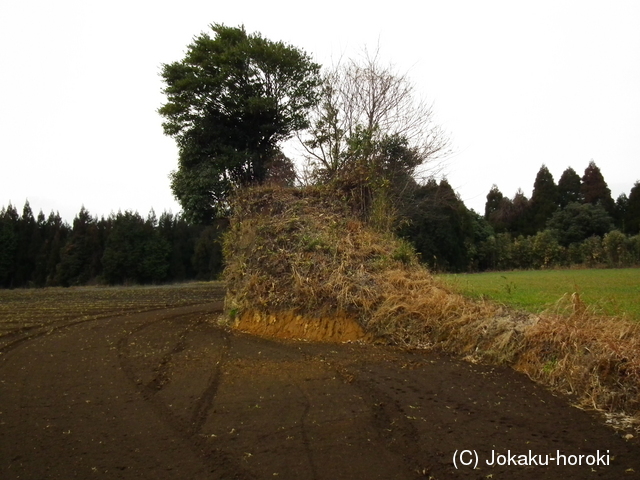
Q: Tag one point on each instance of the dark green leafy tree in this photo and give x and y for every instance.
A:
(546, 250)
(615, 248)
(501, 212)
(509, 215)
(230, 102)
(577, 221)
(522, 252)
(569, 188)
(281, 171)
(441, 228)
(594, 189)
(154, 267)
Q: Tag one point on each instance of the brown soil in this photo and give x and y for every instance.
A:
(170, 395)
(290, 325)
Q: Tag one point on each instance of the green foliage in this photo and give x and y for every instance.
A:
(404, 253)
(594, 189)
(494, 200)
(620, 212)
(48, 252)
(207, 255)
(543, 201)
(592, 251)
(632, 213)
(8, 245)
(447, 236)
(506, 215)
(80, 258)
(231, 100)
(134, 251)
(523, 252)
(615, 245)
(546, 250)
(576, 222)
(569, 188)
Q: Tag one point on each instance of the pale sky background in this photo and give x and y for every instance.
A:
(517, 84)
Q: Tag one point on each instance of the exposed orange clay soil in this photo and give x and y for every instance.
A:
(290, 325)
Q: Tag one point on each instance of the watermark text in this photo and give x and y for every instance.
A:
(471, 459)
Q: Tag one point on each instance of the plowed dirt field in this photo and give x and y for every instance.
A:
(168, 394)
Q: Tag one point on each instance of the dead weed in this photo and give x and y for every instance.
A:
(300, 251)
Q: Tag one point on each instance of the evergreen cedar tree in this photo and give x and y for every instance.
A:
(231, 101)
(544, 201)
(569, 188)
(576, 208)
(594, 189)
(123, 248)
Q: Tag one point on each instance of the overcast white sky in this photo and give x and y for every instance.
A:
(517, 84)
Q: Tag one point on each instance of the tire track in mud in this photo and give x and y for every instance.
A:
(205, 402)
(303, 429)
(388, 419)
(21, 335)
(26, 334)
(188, 428)
(392, 424)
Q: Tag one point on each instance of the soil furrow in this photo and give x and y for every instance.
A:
(169, 394)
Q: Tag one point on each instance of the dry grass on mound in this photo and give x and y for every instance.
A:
(592, 356)
(299, 253)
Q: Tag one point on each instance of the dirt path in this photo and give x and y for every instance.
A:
(169, 395)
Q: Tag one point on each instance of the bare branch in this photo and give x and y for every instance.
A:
(365, 96)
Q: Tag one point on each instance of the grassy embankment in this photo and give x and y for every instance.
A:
(298, 258)
(613, 292)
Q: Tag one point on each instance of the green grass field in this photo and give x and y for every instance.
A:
(611, 292)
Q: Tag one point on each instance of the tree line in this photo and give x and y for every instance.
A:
(123, 248)
(573, 222)
(235, 98)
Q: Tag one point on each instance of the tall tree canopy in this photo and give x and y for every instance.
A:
(595, 189)
(569, 188)
(632, 214)
(543, 200)
(494, 198)
(231, 100)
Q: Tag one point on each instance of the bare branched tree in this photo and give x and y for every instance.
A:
(366, 100)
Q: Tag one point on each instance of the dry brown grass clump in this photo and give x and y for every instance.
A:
(300, 254)
(592, 356)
